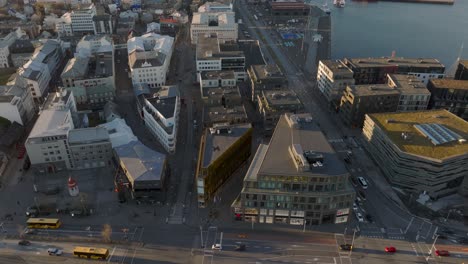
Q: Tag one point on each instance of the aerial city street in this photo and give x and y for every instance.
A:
(233, 131)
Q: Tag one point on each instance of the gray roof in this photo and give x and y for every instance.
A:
(141, 162)
(278, 160)
(8, 92)
(88, 135)
(209, 48)
(137, 59)
(22, 46)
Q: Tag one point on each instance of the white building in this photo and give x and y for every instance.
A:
(221, 23)
(5, 44)
(82, 19)
(16, 104)
(103, 24)
(215, 7)
(332, 79)
(149, 57)
(425, 77)
(63, 26)
(90, 74)
(153, 27)
(160, 109)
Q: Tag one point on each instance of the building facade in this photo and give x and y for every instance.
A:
(149, 57)
(462, 70)
(82, 19)
(5, 44)
(16, 104)
(332, 79)
(90, 147)
(274, 103)
(296, 179)
(265, 78)
(21, 52)
(420, 152)
(221, 23)
(103, 24)
(451, 95)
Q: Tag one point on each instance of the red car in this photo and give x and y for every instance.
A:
(390, 249)
(442, 253)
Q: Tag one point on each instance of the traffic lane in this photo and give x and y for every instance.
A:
(374, 251)
(283, 236)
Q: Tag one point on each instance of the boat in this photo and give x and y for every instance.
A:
(339, 3)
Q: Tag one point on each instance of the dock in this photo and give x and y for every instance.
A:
(439, 2)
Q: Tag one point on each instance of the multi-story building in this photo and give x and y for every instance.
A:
(420, 152)
(296, 179)
(215, 7)
(400, 93)
(90, 74)
(149, 57)
(274, 103)
(451, 95)
(82, 19)
(21, 52)
(90, 147)
(63, 26)
(333, 77)
(213, 79)
(462, 70)
(103, 24)
(159, 108)
(16, 104)
(38, 71)
(211, 55)
(289, 8)
(264, 78)
(6, 42)
(221, 23)
(223, 148)
(375, 70)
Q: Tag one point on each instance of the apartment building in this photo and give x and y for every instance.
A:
(223, 24)
(6, 41)
(215, 7)
(16, 104)
(451, 95)
(149, 57)
(212, 79)
(296, 179)
(272, 104)
(90, 147)
(90, 74)
(420, 152)
(63, 26)
(159, 108)
(400, 93)
(375, 70)
(82, 19)
(264, 78)
(223, 105)
(102, 24)
(333, 76)
(21, 52)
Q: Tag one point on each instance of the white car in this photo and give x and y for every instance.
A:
(217, 246)
(355, 207)
(359, 217)
(54, 252)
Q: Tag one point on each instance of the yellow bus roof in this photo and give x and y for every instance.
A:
(91, 250)
(42, 220)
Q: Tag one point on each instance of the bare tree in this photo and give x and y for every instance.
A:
(106, 232)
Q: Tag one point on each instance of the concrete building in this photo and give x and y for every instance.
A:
(213, 79)
(223, 148)
(212, 55)
(221, 23)
(38, 71)
(63, 26)
(6, 42)
(82, 19)
(222, 105)
(215, 7)
(149, 57)
(423, 151)
(90, 147)
(451, 95)
(144, 168)
(103, 24)
(265, 78)
(332, 79)
(288, 8)
(159, 108)
(462, 70)
(400, 93)
(274, 103)
(16, 104)
(21, 52)
(296, 179)
(90, 74)
(375, 70)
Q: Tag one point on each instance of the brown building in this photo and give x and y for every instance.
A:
(451, 95)
(289, 8)
(462, 70)
(266, 77)
(375, 70)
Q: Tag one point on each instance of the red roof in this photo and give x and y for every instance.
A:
(71, 182)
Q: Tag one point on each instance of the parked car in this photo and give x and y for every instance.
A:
(390, 249)
(240, 247)
(442, 253)
(54, 252)
(30, 231)
(24, 243)
(355, 207)
(216, 246)
(359, 217)
(346, 247)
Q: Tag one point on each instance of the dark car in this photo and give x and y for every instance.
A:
(369, 217)
(346, 247)
(241, 247)
(24, 243)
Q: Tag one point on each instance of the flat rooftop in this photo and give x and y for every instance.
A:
(281, 97)
(216, 144)
(373, 90)
(209, 48)
(398, 61)
(417, 143)
(408, 84)
(88, 135)
(278, 161)
(219, 114)
(450, 84)
(52, 123)
(337, 66)
(216, 75)
(228, 92)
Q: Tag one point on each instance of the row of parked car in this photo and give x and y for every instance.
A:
(349, 247)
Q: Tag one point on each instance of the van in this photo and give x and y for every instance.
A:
(363, 182)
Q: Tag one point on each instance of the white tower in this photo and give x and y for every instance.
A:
(72, 187)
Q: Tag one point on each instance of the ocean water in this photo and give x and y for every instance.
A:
(415, 30)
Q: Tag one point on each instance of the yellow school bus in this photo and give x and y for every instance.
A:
(89, 252)
(43, 223)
